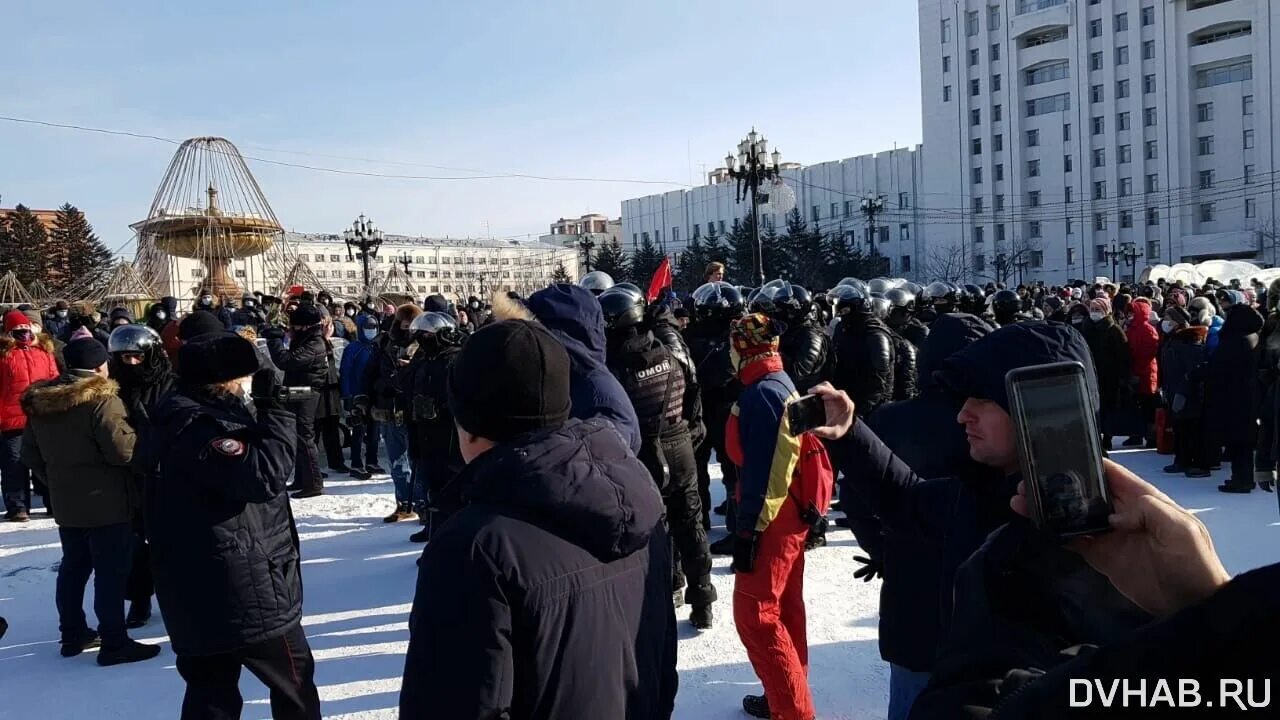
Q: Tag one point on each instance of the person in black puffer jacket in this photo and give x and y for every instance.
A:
(1182, 357)
(1231, 392)
(1267, 455)
(548, 595)
(224, 546)
(901, 319)
(806, 350)
(865, 356)
(433, 440)
(329, 428)
(305, 363)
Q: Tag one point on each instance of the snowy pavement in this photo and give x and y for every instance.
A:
(359, 576)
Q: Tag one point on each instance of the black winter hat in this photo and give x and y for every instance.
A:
(305, 316)
(510, 378)
(84, 354)
(216, 358)
(200, 322)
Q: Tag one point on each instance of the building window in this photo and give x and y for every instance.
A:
(1246, 103)
(1122, 55)
(996, 112)
(904, 232)
(1122, 89)
(905, 264)
(1223, 74)
(1095, 60)
(977, 146)
(722, 231)
(351, 274)
(1148, 49)
(1126, 219)
(197, 272)
(1033, 198)
(998, 172)
(1037, 256)
(1250, 208)
(946, 30)
(1248, 140)
(1044, 38)
(971, 23)
(1047, 73)
(1151, 149)
(1100, 157)
(1205, 145)
(1071, 252)
(995, 83)
(1099, 125)
(1033, 168)
(848, 208)
(333, 258)
(993, 18)
(884, 234)
(995, 50)
(978, 204)
(1208, 212)
(1148, 16)
(1149, 117)
(1124, 154)
(1153, 183)
(1095, 28)
(303, 257)
(1051, 104)
(1033, 138)
(1122, 121)
(946, 93)
(1248, 174)
(973, 58)
(1204, 112)
(1099, 222)
(1000, 233)
(977, 176)
(815, 213)
(1126, 187)
(1206, 179)
(835, 210)
(1153, 217)
(1033, 229)
(1148, 84)
(975, 87)
(1095, 94)
(1069, 231)
(904, 200)
(979, 263)
(1066, 132)
(946, 63)
(1066, 163)
(1122, 22)
(1100, 254)
(975, 116)
(997, 203)
(1100, 190)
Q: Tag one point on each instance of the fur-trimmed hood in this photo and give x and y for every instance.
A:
(44, 341)
(68, 391)
(506, 307)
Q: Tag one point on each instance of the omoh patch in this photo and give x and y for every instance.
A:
(229, 447)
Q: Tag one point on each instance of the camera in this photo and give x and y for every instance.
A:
(285, 394)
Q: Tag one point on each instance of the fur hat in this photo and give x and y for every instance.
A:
(217, 358)
(1178, 315)
(1201, 311)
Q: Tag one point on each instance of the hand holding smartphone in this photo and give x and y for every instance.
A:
(805, 414)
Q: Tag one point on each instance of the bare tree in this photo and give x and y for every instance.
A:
(1268, 231)
(1007, 263)
(949, 264)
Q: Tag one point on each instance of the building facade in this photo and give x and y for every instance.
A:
(594, 228)
(1060, 134)
(829, 195)
(456, 268)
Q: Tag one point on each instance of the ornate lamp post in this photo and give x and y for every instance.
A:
(1131, 253)
(364, 238)
(752, 169)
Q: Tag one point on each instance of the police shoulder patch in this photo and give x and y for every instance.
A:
(230, 447)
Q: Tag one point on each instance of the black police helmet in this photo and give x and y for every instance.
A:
(718, 300)
(900, 298)
(1006, 303)
(132, 338)
(621, 307)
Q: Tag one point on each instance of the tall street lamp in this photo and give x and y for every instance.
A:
(364, 238)
(752, 169)
(1131, 253)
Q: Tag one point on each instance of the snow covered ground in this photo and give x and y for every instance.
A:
(359, 576)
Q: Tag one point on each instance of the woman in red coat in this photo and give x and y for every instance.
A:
(22, 362)
(1144, 346)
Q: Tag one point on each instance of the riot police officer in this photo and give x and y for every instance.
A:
(715, 305)
(805, 348)
(902, 306)
(654, 381)
(1005, 306)
(597, 281)
(904, 365)
(433, 440)
(938, 298)
(865, 356)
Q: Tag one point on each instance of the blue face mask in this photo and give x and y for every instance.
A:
(369, 334)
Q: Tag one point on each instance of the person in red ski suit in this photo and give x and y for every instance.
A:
(781, 480)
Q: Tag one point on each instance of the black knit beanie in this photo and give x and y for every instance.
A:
(216, 358)
(510, 378)
(200, 322)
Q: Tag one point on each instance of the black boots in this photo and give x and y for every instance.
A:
(139, 614)
(130, 652)
(75, 646)
(702, 617)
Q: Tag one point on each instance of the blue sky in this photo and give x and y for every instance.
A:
(655, 90)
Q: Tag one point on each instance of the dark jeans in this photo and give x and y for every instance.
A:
(1189, 445)
(106, 552)
(328, 432)
(306, 458)
(15, 479)
(680, 491)
(397, 439)
(1241, 458)
(364, 437)
(141, 585)
(283, 664)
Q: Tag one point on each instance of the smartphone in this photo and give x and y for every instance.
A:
(1059, 448)
(805, 414)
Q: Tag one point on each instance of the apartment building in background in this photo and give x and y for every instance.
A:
(595, 228)
(1058, 133)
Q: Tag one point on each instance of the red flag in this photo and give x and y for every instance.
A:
(661, 279)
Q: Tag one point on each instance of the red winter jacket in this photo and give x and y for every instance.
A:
(19, 368)
(1144, 346)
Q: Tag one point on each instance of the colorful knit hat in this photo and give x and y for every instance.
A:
(754, 337)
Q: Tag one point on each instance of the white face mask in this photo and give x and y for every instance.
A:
(62, 314)
(1096, 316)
(1168, 326)
(161, 315)
(369, 334)
(351, 313)
(248, 303)
(246, 388)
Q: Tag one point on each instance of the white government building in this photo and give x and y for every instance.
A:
(1057, 135)
(456, 268)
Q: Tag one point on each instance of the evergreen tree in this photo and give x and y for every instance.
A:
(612, 260)
(560, 275)
(23, 250)
(645, 262)
(690, 265)
(807, 252)
(778, 262)
(78, 251)
(742, 252)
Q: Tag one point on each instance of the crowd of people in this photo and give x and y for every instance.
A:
(557, 450)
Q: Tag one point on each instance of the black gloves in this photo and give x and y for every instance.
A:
(274, 332)
(870, 569)
(744, 551)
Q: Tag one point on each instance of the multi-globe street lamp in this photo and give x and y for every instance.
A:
(752, 169)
